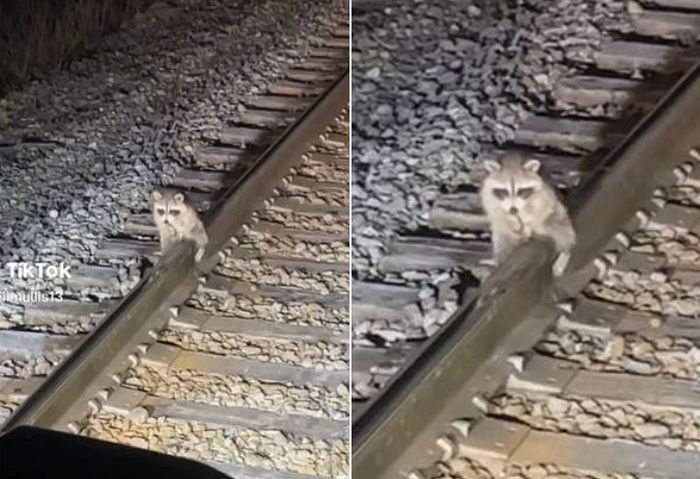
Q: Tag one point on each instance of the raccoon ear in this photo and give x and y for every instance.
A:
(157, 195)
(532, 165)
(492, 166)
(179, 198)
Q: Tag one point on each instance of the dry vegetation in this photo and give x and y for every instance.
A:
(45, 34)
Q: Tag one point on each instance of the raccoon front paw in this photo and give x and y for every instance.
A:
(199, 255)
(560, 263)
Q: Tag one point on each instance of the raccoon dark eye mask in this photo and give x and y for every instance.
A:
(525, 193)
(500, 193)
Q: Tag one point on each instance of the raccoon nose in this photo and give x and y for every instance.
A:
(513, 210)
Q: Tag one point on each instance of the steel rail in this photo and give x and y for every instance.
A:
(425, 394)
(73, 381)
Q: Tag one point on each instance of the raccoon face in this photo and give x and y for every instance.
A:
(169, 207)
(512, 184)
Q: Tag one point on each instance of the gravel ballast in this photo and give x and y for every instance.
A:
(436, 85)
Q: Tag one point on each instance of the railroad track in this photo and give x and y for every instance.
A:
(424, 275)
(602, 385)
(242, 362)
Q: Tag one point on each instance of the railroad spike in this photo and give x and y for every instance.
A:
(517, 361)
(481, 403)
(623, 239)
(658, 202)
(416, 474)
(695, 153)
(104, 393)
(601, 267)
(134, 359)
(566, 306)
(611, 257)
(448, 445)
(680, 174)
(95, 405)
(462, 426)
(688, 166)
(74, 427)
(643, 218)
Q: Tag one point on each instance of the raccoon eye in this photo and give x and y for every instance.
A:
(500, 193)
(525, 193)
(160, 211)
(175, 212)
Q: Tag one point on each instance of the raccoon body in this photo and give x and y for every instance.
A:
(177, 221)
(520, 205)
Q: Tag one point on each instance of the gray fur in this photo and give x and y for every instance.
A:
(520, 205)
(177, 221)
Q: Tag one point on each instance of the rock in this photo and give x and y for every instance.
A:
(558, 407)
(616, 347)
(658, 277)
(672, 443)
(373, 73)
(473, 11)
(619, 416)
(139, 415)
(637, 367)
(651, 430)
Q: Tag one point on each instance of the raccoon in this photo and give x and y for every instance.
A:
(520, 205)
(177, 221)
